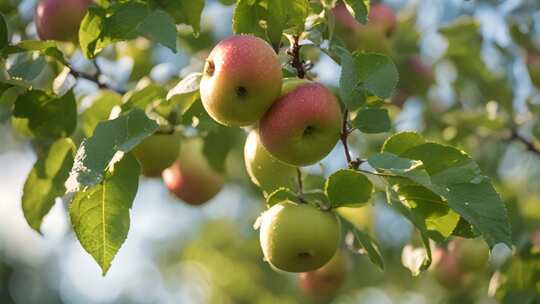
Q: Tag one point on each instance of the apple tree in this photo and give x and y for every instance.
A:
(254, 110)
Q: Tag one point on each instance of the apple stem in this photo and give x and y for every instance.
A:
(296, 61)
(529, 145)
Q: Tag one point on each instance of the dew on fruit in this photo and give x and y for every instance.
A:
(241, 91)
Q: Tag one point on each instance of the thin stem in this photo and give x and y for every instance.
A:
(528, 144)
(378, 173)
(296, 61)
(344, 135)
(95, 78)
(300, 181)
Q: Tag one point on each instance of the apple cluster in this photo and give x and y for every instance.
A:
(296, 122)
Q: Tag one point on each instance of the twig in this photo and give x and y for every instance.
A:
(296, 61)
(95, 78)
(528, 144)
(344, 135)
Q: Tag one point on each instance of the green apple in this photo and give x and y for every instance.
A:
(191, 178)
(472, 254)
(325, 282)
(241, 79)
(265, 170)
(298, 237)
(157, 152)
(303, 125)
(60, 19)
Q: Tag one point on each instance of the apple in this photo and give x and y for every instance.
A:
(60, 19)
(303, 125)
(241, 79)
(419, 78)
(265, 170)
(191, 178)
(472, 254)
(372, 37)
(325, 282)
(382, 16)
(157, 152)
(533, 65)
(446, 269)
(298, 237)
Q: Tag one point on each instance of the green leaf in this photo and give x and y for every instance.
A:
(95, 153)
(348, 81)
(45, 115)
(377, 74)
(283, 15)
(372, 120)
(402, 142)
(247, 18)
(348, 188)
(183, 11)
(46, 181)
(100, 214)
(142, 98)
(26, 67)
(360, 9)
(186, 92)
(4, 35)
(279, 195)
(99, 111)
(91, 39)
(8, 96)
(370, 247)
(47, 48)
(159, 27)
(536, 130)
(451, 175)
(124, 21)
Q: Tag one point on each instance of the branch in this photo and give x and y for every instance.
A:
(296, 61)
(529, 145)
(95, 78)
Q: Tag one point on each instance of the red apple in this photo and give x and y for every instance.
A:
(60, 19)
(241, 79)
(303, 125)
(325, 282)
(191, 178)
(446, 269)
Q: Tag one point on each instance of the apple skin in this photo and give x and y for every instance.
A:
(472, 254)
(303, 125)
(446, 269)
(325, 282)
(241, 79)
(60, 19)
(157, 152)
(191, 178)
(265, 170)
(371, 37)
(533, 65)
(298, 237)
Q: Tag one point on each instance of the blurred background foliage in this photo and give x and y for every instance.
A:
(469, 73)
